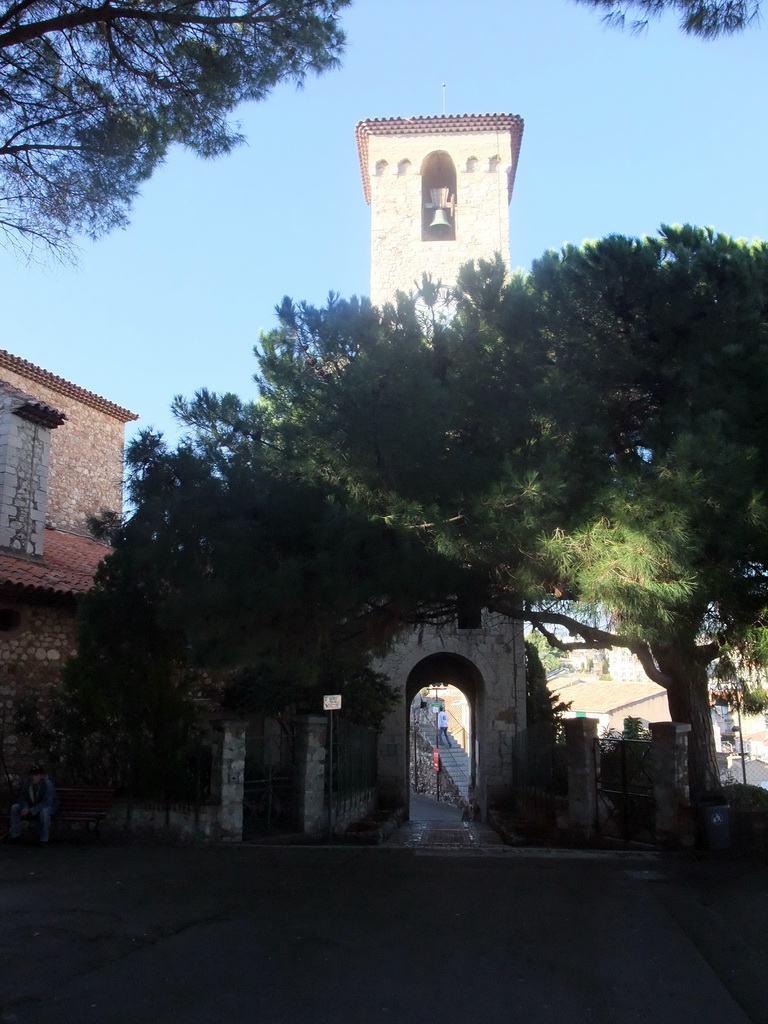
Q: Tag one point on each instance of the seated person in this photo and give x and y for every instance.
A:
(37, 799)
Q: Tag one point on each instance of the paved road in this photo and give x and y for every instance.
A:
(119, 935)
(437, 825)
(427, 808)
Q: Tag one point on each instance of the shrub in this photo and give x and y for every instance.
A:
(746, 797)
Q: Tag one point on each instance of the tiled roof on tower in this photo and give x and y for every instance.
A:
(439, 125)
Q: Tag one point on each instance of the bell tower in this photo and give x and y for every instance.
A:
(439, 190)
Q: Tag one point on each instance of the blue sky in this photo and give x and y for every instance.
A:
(622, 133)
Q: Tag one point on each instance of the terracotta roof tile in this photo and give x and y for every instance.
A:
(601, 697)
(64, 387)
(445, 124)
(31, 408)
(67, 568)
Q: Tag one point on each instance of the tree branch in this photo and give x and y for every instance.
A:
(592, 637)
(106, 14)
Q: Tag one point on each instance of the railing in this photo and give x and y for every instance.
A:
(355, 759)
(426, 721)
(540, 776)
(460, 773)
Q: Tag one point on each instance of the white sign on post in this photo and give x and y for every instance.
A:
(332, 702)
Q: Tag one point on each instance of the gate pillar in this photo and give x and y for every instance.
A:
(580, 736)
(670, 788)
(227, 777)
(310, 772)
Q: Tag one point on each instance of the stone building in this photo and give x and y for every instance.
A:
(439, 190)
(61, 461)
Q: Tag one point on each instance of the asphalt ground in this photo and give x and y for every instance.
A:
(91, 932)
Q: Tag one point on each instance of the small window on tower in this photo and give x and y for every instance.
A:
(438, 198)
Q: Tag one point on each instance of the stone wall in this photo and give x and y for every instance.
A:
(424, 778)
(219, 819)
(57, 478)
(31, 658)
(86, 459)
(175, 823)
(24, 462)
(310, 761)
(399, 256)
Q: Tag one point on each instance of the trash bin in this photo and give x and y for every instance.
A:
(717, 826)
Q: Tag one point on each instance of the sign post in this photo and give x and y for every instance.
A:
(436, 767)
(331, 703)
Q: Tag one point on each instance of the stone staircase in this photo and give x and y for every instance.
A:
(454, 759)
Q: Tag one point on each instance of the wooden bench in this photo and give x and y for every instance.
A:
(84, 804)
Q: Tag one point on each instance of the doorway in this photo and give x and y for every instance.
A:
(442, 692)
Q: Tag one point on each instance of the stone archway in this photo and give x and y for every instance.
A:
(488, 665)
(452, 670)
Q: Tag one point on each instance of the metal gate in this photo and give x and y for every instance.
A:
(626, 808)
(540, 778)
(268, 788)
(355, 760)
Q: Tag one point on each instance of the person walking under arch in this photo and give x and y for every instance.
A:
(442, 727)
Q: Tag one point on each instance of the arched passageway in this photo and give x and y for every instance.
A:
(485, 661)
(442, 689)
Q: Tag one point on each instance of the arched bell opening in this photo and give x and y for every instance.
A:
(438, 198)
(449, 683)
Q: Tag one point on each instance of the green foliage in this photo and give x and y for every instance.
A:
(94, 95)
(260, 564)
(706, 18)
(547, 655)
(236, 576)
(591, 438)
(127, 697)
(659, 358)
(635, 730)
(746, 797)
(266, 688)
(55, 733)
(584, 447)
(541, 706)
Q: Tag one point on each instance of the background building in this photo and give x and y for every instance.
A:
(61, 461)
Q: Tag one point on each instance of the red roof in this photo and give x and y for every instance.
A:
(29, 408)
(67, 568)
(63, 387)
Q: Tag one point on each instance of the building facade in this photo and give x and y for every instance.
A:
(61, 461)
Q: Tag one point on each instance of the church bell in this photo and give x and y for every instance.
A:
(441, 219)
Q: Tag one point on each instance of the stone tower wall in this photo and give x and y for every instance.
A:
(24, 455)
(399, 256)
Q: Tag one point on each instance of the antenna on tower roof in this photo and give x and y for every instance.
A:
(443, 99)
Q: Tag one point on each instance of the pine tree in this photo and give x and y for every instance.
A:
(95, 94)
